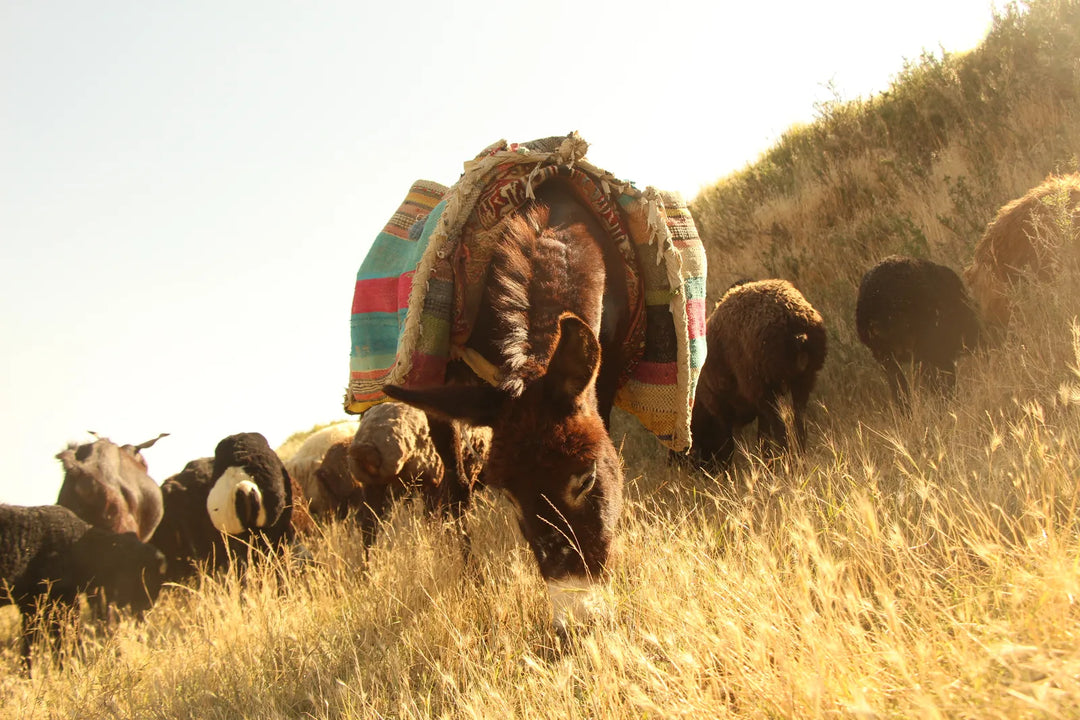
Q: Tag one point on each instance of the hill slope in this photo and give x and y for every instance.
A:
(919, 170)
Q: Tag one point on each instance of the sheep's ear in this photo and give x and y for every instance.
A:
(150, 443)
(66, 457)
(367, 457)
(288, 481)
(574, 361)
(473, 404)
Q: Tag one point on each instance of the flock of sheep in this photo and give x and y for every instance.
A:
(116, 535)
(766, 341)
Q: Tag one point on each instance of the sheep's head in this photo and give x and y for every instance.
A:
(129, 571)
(106, 485)
(250, 486)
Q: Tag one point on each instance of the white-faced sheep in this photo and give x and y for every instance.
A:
(252, 494)
(911, 310)
(765, 341)
(107, 485)
(48, 556)
(1026, 236)
(393, 452)
(304, 465)
(223, 507)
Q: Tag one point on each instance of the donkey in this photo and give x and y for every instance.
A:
(553, 319)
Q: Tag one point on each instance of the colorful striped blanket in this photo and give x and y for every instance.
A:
(419, 288)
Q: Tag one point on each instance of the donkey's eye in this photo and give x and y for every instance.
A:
(583, 483)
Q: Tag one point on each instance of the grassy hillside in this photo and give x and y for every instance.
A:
(921, 565)
(918, 170)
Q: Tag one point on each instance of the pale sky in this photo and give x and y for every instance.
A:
(188, 188)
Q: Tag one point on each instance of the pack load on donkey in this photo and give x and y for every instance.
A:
(531, 298)
(419, 286)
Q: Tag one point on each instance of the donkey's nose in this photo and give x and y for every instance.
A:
(575, 600)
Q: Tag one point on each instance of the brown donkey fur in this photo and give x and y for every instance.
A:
(555, 304)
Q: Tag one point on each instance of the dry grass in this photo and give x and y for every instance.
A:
(906, 566)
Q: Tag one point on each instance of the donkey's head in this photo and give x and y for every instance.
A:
(551, 452)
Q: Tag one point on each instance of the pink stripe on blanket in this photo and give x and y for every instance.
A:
(695, 317)
(656, 373)
(427, 370)
(382, 294)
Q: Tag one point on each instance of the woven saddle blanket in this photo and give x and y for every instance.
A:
(419, 288)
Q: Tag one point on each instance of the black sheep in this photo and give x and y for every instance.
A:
(764, 341)
(48, 555)
(913, 311)
(186, 535)
(222, 507)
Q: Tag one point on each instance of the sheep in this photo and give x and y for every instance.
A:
(1021, 238)
(107, 485)
(186, 534)
(911, 310)
(302, 522)
(304, 464)
(339, 491)
(48, 555)
(252, 493)
(764, 341)
(393, 452)
(222, 507)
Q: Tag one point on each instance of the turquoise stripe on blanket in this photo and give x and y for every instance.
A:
(391, 256)
(374, 338)
(698, 350)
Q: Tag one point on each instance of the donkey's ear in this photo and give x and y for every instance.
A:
(574, 362)
(472, 404)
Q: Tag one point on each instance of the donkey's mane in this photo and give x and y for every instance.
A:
(539, 273)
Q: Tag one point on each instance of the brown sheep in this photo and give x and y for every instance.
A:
(1018, 241)
(393, 453)
(339, 492)
(911, 310)
(764, 341)
(107, 485)
(302, 521)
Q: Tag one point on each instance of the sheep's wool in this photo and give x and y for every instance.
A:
(221, 502)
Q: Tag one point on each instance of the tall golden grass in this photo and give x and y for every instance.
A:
(919, 565)
(906, 565)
